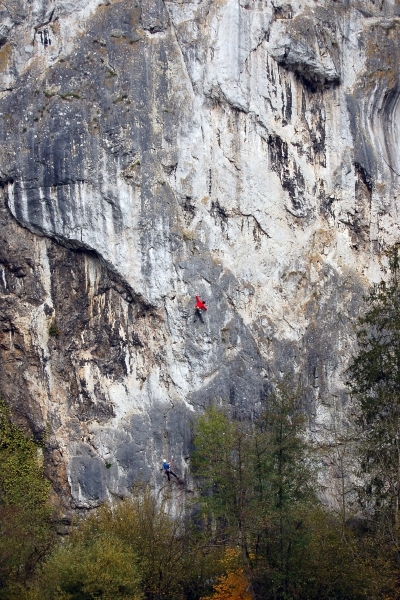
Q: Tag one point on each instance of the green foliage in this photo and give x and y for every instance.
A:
(258, 485)
(331, 567)
(21, 478)
(374, 381)
(171, 559)
(259, 494)
(375, 370)
(53, 329)
(283, 467)
(25, 532)
(92, 564)
(133, 550)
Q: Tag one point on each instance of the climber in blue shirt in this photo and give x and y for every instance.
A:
(167, 468)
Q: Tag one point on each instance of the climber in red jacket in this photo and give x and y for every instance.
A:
(200, 305)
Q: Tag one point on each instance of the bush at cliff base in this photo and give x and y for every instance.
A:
(88, 567)
(131, 550)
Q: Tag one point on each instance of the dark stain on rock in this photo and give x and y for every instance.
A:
(218, 213)
(287, 103)
(363, 176)
(289, 173)
(189, 209)
(283, 11)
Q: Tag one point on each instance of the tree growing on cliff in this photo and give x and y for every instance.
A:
(26, 534)
(374, 381)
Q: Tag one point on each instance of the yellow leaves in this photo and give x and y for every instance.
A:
(234, 585)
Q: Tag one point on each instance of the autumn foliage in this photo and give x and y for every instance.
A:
(234, 585)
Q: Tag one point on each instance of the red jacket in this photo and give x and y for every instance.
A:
(200, 305)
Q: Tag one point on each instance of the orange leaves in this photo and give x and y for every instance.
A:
(232, 586)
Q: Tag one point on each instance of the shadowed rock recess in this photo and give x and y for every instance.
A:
(150, 150)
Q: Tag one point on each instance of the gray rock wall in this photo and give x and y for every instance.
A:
(243, 150)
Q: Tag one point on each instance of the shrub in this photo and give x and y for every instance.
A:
(25, 530)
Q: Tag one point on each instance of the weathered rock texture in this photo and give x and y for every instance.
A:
(244, 150)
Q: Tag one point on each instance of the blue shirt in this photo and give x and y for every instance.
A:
(165, 466)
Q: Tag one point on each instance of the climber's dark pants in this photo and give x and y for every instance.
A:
(199, 315)
(169, 472)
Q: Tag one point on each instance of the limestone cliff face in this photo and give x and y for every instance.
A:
(243, 150)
